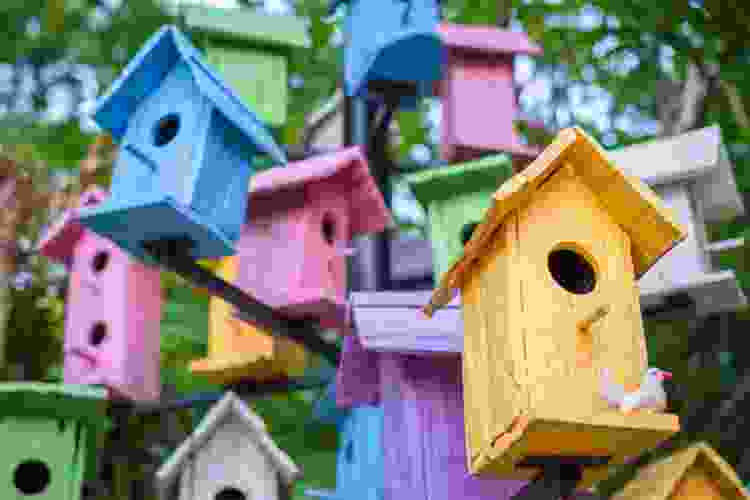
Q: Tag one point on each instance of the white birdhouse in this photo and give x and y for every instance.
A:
(693, 176)
(229, 456)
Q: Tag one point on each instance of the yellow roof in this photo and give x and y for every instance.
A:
(650, 225)
(658, 480)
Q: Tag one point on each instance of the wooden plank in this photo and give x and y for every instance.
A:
(357, 377)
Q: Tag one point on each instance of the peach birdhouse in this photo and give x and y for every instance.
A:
(292, 250)
(113, 309)
(549, 300)
(478, 98)
(238, 350)
(693, 472)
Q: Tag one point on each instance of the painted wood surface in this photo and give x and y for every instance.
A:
(479, 71)
(240, 351)
(113, 310)
(50, 433)
(319, 204)
(357, 377)
(187, 144)
(229, 450)
(250, 51)
(391, 43)
(456, 198)
(696, 471)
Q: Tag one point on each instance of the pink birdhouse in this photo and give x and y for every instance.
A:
(113, 310)
(478, 98)
(293, 248)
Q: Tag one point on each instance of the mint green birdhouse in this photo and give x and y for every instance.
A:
(49, 435)
(251, 49)
(456, 198)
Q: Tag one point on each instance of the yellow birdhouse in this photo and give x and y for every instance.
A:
(238, 350)
(549, 299)
(693, 472)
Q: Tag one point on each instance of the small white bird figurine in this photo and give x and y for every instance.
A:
(650, 396)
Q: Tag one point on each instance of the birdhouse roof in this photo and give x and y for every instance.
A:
(230, 405)
(454, 180)
(658, 480)
(84, 403)
(698, 155)
(650, 225)
(250, 26)
(148, 69)
(59, 240)
(367, 208)
(487, 40)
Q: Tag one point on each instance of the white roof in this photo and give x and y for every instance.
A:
(230, 405)
(697, 155)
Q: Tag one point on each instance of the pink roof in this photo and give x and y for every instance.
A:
(367, 207)
(61, 237)
(487, 39)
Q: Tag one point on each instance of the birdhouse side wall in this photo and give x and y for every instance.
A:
(231, 459)
(225, 170)
(494, 358)
(447, 221)
(164, 138)
(359, 469)
(479, 104)
(575, 260)
(423, 433)
(33, 446)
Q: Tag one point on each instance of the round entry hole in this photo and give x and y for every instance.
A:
(100, 261)
(31, 477)
(328, 229)
(572, 271)
(230, 494)
(98, 334)
(166, 129)
(467, 231)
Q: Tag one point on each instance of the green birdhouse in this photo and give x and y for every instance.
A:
(250, 49)
(49, 434)
(456, 198)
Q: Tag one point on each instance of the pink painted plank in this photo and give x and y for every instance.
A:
(349, 170)
(357, 378)
(423, 433)
(60, 240)
(487, 39)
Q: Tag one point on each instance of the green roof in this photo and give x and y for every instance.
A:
(86, 403)
(249, 26)
(446, 182)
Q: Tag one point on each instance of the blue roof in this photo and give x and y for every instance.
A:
(148, 69)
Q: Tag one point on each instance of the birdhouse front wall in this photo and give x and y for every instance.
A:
(43, 458)
(231, 461)
(162, 147)
(479, 105)
(112, 321)
(359, 469)
(258, 76)
(697, 483)
(555, 261)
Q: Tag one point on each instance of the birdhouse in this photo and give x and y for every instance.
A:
(549, 300)
(693, 176)
(186, 148)
(456, 198)
(318, 204)
(230, 455)
(479, 104)
(238, 350)
(50, 437)
(693, 472)
(113, 309)
(392, 48)
(251, 51)
(359, 463)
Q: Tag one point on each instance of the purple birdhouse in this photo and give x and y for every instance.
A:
(113, 310)
(478, 97)
(293, 248)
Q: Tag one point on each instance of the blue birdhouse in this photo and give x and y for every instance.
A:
(359, 468)
(187, 145)
(392, 48)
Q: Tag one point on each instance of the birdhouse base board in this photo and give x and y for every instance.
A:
(711, 293)
(610, 434)
(114, 389)
(315, 303)
(246, 366)
(147, 220)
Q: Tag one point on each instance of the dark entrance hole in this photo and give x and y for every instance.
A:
(230, 494)
(328, 229)
(166, 129)
(31, 477)
(572, 271)
(467, 231)
(98, 334)
(100, 261)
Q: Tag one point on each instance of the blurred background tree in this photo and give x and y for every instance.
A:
(626, 71)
